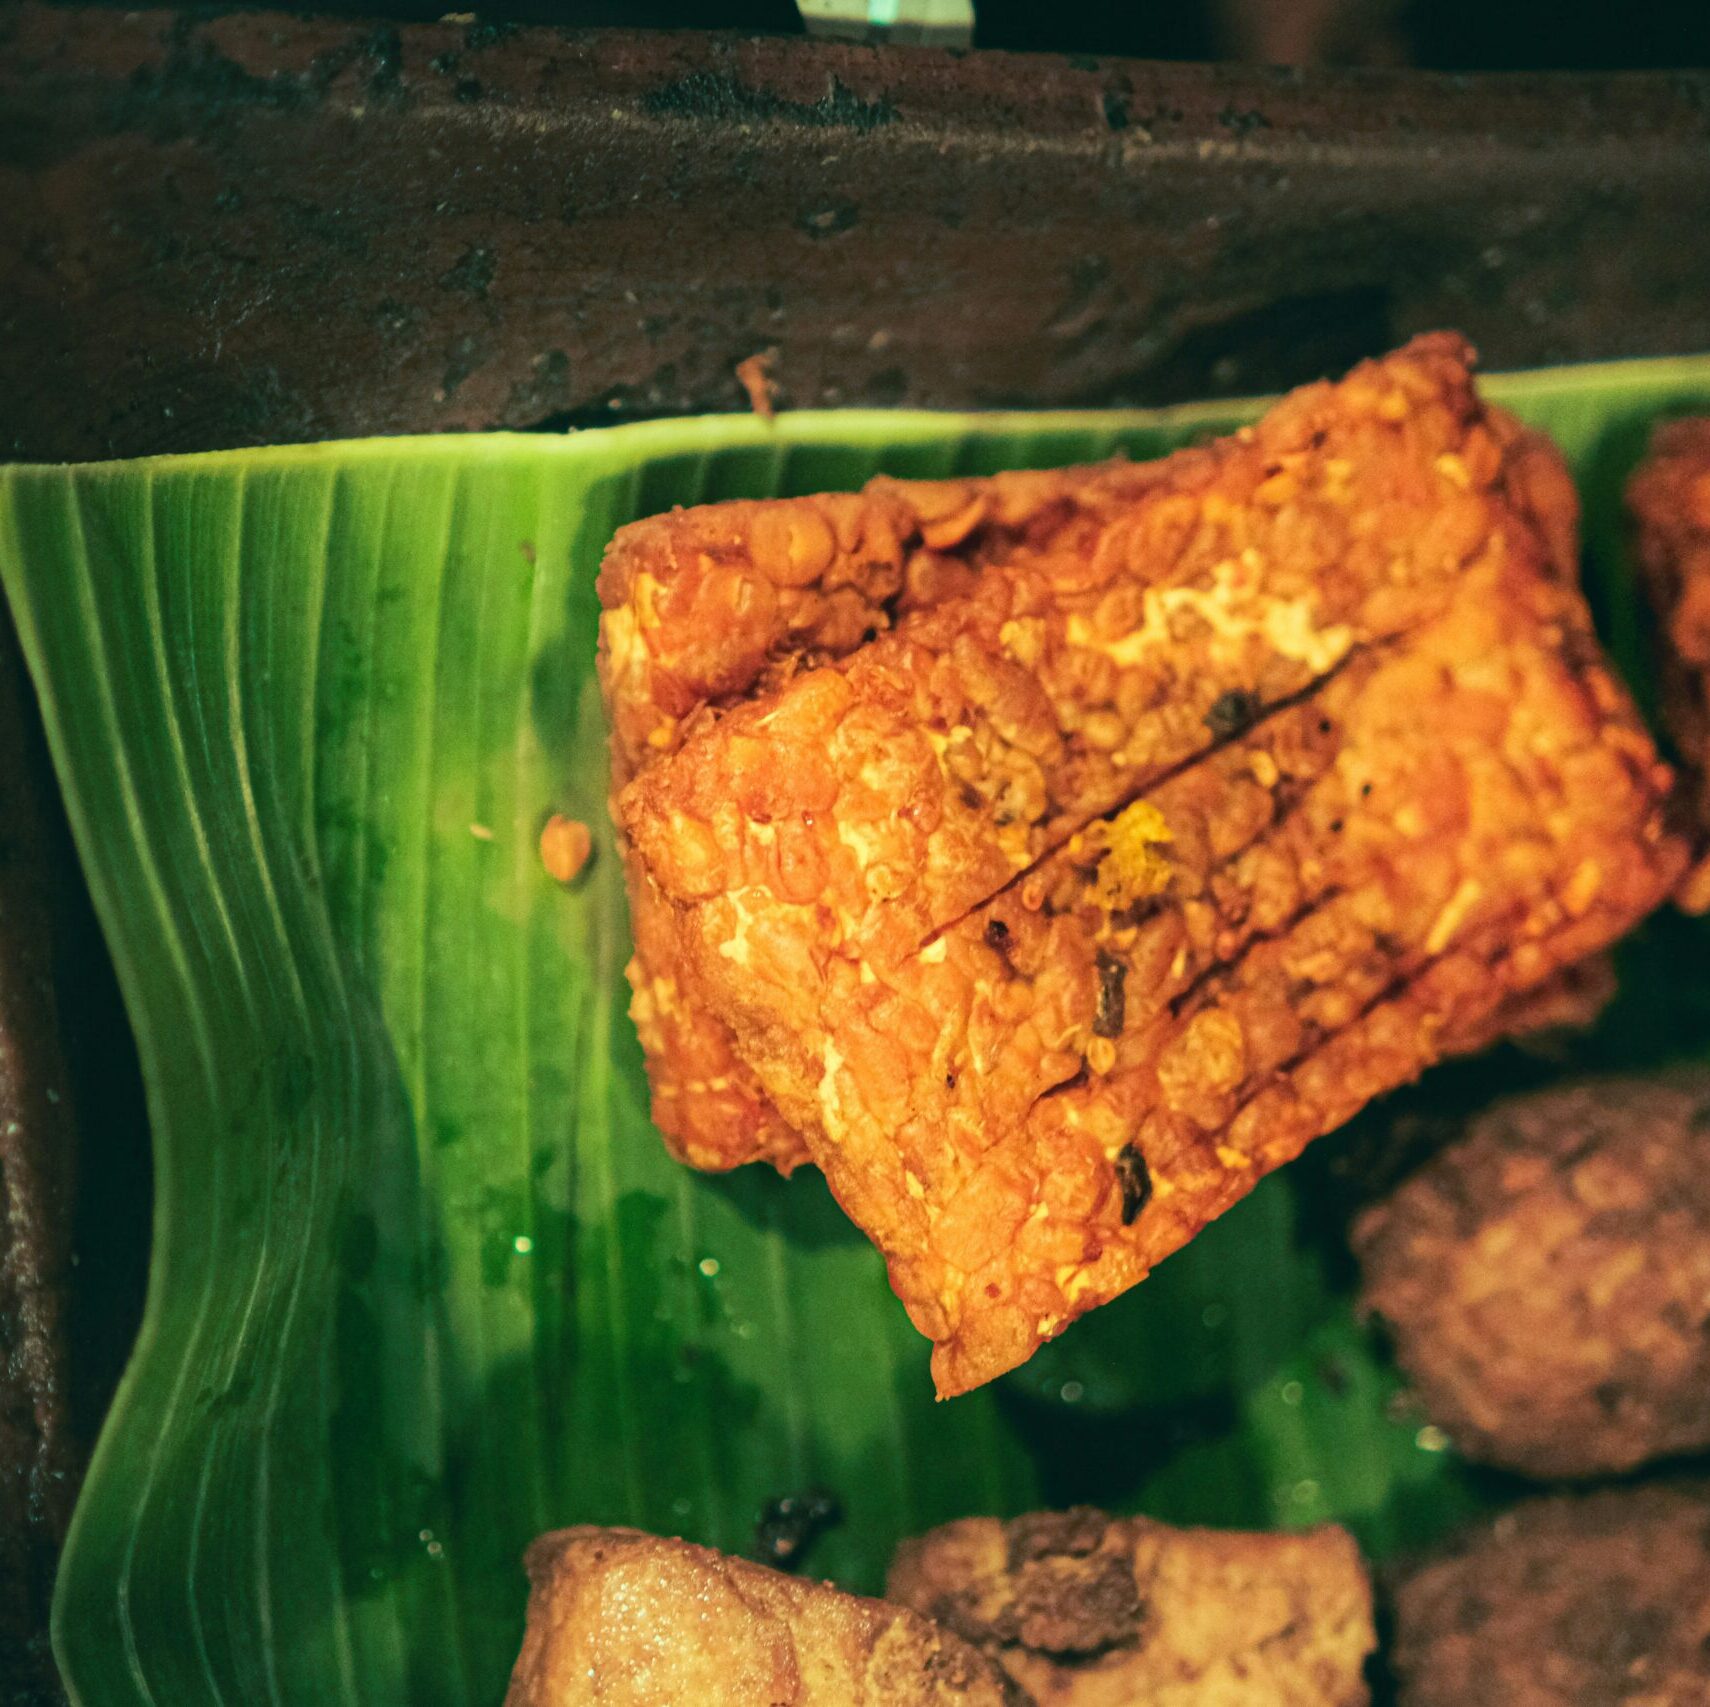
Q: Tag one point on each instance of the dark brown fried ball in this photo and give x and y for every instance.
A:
(1546, 1277)
(1591, 1600)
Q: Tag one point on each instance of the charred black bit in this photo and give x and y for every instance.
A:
(1232, 712)
(790, 1524)
(997, 935)
(1135, 1180)
(1107, 1017)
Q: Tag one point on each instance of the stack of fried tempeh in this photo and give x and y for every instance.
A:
(1048, 857)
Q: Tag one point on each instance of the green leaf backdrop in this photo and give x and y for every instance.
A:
(423, 1281)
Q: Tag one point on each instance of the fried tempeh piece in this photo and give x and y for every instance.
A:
(701, 608)
(936, 763)
(704, 607)
(631, 1620)
(1084, 1610)
(1545, 1277)
(1669, 496)
(1379, 786)
(1565, 1602)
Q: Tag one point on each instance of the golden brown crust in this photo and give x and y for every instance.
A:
(1546, 1277)
(708, 1103)
(1669, 496)
(1035, 1043)
(1564, 1602)
(631, 1620)
(705, 607)
(899, 786)
(1088, 1611)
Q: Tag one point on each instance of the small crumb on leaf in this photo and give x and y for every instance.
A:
(480, 832)
(789, 1525)
(755, 376)
(565, 844)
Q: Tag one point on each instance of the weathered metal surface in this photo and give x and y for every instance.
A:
(74, 1184)
(38, 1451)
(254, 228)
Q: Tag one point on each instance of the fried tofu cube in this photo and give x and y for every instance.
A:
(1084, 1610)
(626, 1619)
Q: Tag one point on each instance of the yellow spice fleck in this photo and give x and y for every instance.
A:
(1454, 470)
(1133, 867)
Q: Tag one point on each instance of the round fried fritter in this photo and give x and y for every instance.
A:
(1594, 1598)
(1546, 1277)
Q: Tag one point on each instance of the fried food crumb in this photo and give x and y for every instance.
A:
(1133, 864)
(790, 1524)
(754, 374)
(565, 847)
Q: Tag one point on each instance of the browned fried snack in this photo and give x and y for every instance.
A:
(705, 607)
(1599, 1598)
(631, 1620)
(1262, 777)
(1085, 1610)
(1669, 497)
(1546, 1277)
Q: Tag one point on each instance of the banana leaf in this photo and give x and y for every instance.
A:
(423, 1281)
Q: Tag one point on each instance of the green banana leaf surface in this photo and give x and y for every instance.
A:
(424, 1282)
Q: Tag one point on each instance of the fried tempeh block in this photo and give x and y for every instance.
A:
(1545, 1277)
(1565, 1602)
(1056, 916)
(704, 607)
(1669, 496)
(631, 1620)
(1084, 1610)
